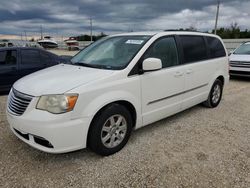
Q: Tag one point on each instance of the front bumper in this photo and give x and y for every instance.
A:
(239, 71)
(48, 132)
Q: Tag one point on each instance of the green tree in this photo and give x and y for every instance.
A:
(232, 32)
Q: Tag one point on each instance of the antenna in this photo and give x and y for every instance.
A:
(217, 15)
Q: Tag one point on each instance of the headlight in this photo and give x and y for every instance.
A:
(57, 104)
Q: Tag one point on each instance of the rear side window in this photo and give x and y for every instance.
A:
(215, 47)
(8, 57)
(45, 58)
(194, 48)
(30, 57)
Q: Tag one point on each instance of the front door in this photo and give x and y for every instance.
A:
(161, 90)
(8, 69)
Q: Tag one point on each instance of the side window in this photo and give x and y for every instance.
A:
(194, 48)
(45, 58)
(164, 49)
(215, 47)
(2, 57)
(30, 57)
(8, 57)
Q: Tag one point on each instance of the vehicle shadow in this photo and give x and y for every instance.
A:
(239, 78)
(2, 93)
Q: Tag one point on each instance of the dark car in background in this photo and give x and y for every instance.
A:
(16, 62)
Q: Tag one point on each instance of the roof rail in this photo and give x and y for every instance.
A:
(183, 30)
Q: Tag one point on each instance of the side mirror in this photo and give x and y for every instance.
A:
(231, 52)
(151, 64)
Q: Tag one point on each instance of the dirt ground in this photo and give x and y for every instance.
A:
(200, 147)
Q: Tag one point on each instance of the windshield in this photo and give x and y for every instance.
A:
(243, 49)
(111, 52)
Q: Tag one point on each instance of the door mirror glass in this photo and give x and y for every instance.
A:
(151, 64)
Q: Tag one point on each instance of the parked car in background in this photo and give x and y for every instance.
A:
(240, 61)
(66, 58)
(16, 62)
(6, 43)
(117, 84)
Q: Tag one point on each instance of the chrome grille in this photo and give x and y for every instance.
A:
(18, 102)
(240, 64)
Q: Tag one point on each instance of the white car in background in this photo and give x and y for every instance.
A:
(115, 85)
(240, 61)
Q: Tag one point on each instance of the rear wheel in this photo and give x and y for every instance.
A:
(215, 95)
(110, 130)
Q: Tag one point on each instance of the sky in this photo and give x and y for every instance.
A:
(72, 17)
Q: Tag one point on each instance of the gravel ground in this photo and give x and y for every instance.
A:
(200, 147)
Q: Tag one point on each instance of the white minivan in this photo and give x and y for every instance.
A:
(118, 84)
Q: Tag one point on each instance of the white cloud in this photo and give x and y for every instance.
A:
(204, 19)
(70, 19)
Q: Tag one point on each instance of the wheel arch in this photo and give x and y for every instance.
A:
(128, 105)
(221, 78)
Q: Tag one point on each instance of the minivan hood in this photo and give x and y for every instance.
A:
(239, 57)
(58, 79)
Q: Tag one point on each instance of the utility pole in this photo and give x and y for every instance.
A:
(56, 33)
(25, 35)
(217, 15)
(91, 29)
(41, 29)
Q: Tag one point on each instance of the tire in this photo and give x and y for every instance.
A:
(110, 130)
(215, 95)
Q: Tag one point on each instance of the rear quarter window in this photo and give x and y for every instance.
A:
(216, 48)
(30, 57)
(194, 48)
(46, 58)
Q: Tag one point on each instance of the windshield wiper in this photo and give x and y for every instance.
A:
(84, 64)
(92, 65)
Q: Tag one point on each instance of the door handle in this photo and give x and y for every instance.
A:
(189, 71)
(178, 74)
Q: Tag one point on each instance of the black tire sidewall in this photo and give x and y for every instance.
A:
(217, 82)
(94, 137)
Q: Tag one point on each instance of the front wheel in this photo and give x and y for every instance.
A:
(110, 130)
(215, 95)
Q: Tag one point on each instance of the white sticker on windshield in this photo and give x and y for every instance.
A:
(134, 41)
